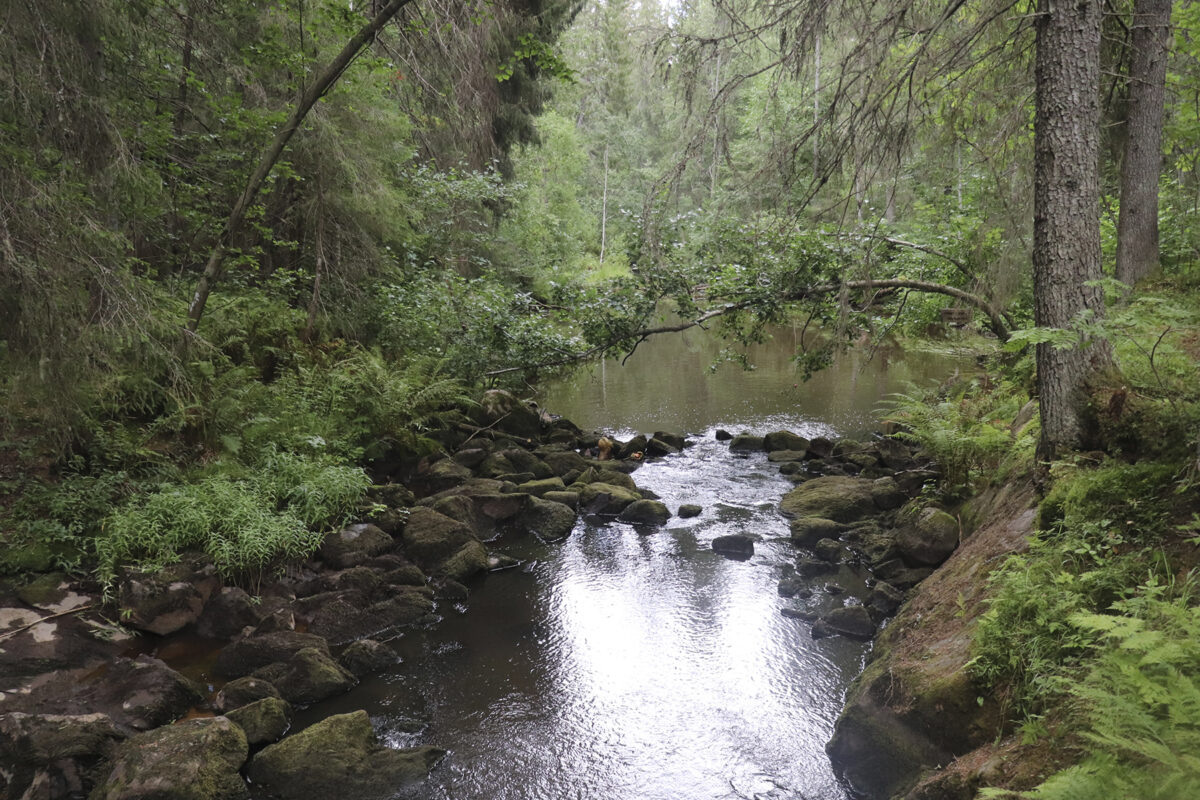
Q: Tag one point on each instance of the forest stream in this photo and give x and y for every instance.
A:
(621, 664)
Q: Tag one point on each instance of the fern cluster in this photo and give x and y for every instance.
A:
(967, 433)
(1141, 702)
(248, 522)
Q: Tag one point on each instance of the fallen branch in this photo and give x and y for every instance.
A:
(39, 621)
(996, 321)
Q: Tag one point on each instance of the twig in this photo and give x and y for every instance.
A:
(39, 621)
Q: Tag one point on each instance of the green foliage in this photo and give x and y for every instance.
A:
(248, 521)
(966, 430)
(1101, 531)
(1140, 701)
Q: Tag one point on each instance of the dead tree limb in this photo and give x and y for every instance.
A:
(996, 322)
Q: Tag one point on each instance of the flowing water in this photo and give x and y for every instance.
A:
(625, 664)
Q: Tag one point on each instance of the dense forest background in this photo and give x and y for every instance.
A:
(476, 193)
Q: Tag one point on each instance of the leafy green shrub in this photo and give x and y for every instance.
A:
(968, 435)
(1130, 498)
(248, 524)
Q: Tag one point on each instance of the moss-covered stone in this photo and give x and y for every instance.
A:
(339, 757)
(645, 512)
(548, 519)
(197, 759)
(468, 561)
(263, 721)
(606, 498)
(308, 676)
(807, 531)
(837, 498)
(539, 488)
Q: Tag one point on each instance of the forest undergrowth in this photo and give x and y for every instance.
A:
(1091, 635)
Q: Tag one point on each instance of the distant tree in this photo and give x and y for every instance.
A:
(1137, 226)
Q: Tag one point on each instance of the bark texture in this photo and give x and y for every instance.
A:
(1137, 224)
(1066, 217)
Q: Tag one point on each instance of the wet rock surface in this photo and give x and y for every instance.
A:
(339, 757)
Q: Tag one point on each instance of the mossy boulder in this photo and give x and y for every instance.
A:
(746, 443)
(468, 561)
(263, 721)
(243, 691)
(837, 498)
(246, 655)
(539, 488)
(930, 540)
(197, 759)
(784, 440)
(353, 545)
(645, 512)
(309, 676)
(548, 519)
(564, 462)
(430, 538)
(339, 757)
(606, 499)
(807, 531)
(367, 656)
(689, 510)
(502, 411)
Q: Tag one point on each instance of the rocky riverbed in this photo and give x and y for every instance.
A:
(88, 710)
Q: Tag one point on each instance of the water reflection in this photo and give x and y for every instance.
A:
(667, 385)
(622, 665)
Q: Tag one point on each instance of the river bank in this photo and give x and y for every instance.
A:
(76, 718)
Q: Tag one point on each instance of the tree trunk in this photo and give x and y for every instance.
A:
(1066, 215)
(1137, 224)
(237, 216)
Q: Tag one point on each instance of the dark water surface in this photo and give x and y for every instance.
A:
(625, 664)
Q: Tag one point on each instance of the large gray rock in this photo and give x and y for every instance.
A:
(930, 540)
(837, 498)
(194, 760)
(853, 622)
(227, 613)
(339, 757)
(52, 755)
(735, 545)
(170, 599)
(547, 519)
(502, 411)
(353, 545)
(309, 676)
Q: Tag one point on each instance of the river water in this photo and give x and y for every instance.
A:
(622, 664)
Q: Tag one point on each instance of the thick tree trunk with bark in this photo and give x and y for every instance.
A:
(1137, 224)
(1066, 216)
